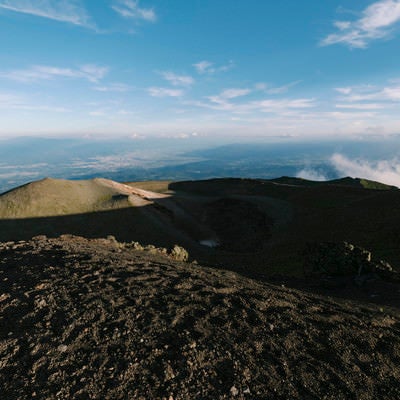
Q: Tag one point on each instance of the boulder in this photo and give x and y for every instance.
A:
(341, 259)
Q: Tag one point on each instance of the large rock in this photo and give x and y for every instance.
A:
(179, 253)
(331, 258)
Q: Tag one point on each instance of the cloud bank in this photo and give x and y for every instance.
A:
(311, 175)
(385, 171)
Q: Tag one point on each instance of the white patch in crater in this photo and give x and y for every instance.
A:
(209, 242)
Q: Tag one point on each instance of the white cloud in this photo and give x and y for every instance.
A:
(177, 80)
(113, 87)
(203, 66)
(97, 113)
(375, 23)
(362, 106)
(233, 93)
(391, 93)
(344, 90)
(381, 171)
(18, 174)
(280, 105)
(131, 9)
(388, 93)
(282, 89)
(222, 102)
(16, 102)
(206, 67)
(260, 86)
(311, 174)
(44, 108)
(125, 112)
(164, 92)
(92, 73)
(342, 25)
(7, 99)
(70, 11)
(352, 116)
(230, 100)
(380, 15)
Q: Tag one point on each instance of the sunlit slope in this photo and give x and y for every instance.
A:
(55, 197)
(96, 208)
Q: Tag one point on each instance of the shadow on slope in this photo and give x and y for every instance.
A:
(331, 212)
(261, 226)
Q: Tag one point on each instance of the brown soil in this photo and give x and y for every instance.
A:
(95, 319)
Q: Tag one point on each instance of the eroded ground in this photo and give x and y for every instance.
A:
(95, 319)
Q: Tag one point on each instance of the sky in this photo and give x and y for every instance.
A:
(286, 69)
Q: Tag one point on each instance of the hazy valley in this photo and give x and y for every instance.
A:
(176, 158)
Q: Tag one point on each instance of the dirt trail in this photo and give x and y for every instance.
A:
(96, 319)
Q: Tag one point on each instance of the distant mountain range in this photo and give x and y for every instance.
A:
(177, 159)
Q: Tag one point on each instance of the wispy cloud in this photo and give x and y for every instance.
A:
(362, 106)
(348, 116)
(282, 89)
(44, 108)
(382, 171)
(233, 93)
(224, 101)
(376, 22)
(113, 87)
(208, 68)
(344, 90)
(177, 80)
(269, 105)
(203, 66)
(7, 99)
(69, 11)
(164, 92)
(92, 73)
(11, 101)
(228, 94)
(131, 9)
(385, 94)
(97, 113)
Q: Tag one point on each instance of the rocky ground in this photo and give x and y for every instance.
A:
(96, 319)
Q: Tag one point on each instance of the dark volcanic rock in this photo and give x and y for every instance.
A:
(331, 258)
(97, 319)
(240, 225)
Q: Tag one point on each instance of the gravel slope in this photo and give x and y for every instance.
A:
(95, 319)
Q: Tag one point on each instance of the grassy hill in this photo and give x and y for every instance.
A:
(51, 197)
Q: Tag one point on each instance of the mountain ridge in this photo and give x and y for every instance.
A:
(238, 218)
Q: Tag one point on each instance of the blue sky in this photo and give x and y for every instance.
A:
(284, 68)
